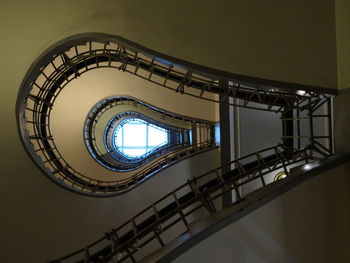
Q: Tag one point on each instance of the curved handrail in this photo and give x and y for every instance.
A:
(204, 227)
(66, 61)
(180, 204)
(76, 55)
(175, 121)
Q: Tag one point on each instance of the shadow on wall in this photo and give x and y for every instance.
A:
(342, 121)
(258, 130)
(310, 223)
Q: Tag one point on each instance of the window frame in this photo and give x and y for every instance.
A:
(149, 149)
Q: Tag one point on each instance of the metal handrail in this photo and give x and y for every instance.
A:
(65, 62)
(145, 109)
(195, 195)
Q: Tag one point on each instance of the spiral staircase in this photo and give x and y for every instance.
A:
(193, 210)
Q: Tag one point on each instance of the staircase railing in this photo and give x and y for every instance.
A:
(173, 214)
(77, 55)
(300, 107)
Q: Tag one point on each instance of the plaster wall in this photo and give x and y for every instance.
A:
(258, 130)
(342, 9)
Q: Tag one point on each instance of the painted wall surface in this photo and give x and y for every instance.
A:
(342, 9)
(265, 131)
(342, 121)
(282, 40)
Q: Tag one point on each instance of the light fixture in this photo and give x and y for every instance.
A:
(307, 167)
(280, 175)
(301, 92)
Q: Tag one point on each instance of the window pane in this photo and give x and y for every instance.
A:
(135, 137)
(134, 152)
(135, 134)
(118, 136)
(157, 137)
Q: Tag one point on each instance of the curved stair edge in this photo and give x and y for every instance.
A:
(204, 227)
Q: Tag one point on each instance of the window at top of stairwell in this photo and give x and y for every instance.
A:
(135, 138)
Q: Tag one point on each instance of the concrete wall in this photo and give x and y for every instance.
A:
(283, 40)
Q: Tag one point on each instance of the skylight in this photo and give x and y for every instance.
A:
(135, 138)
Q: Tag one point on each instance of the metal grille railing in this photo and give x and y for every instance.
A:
(172, 215)
(301, 107)
(178, 123)
(67, 61)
